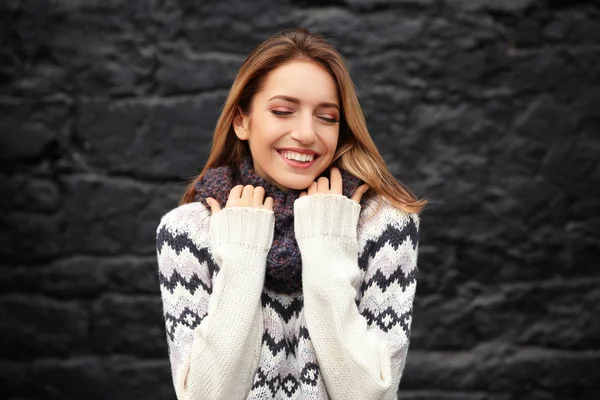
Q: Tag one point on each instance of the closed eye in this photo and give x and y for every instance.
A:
(277, 112)
(284, 113)
(329, 120)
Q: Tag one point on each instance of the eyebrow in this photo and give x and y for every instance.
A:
(297, 101)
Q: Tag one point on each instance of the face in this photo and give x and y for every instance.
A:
(297, 109)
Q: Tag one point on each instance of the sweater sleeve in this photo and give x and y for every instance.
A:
(361, 346)
(211, 272)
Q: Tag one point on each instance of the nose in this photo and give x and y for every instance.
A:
(305, 132)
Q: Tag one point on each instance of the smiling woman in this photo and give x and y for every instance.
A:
(288, 271)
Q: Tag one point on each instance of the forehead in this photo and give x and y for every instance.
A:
(305, 80)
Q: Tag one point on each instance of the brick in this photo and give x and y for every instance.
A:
(84, 277)
(93, 378)
(30, 194)
(553, 314)
(57, 42)
(509, 6)
(181, 70)
(90, 220)
(35, 326)
(30, 131)
(502, 369)
(142, 142)
(129, 325)
(107, 227)
(370, 34)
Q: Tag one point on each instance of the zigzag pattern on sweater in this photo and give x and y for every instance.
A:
(191, 285)
(288, 384)
(261, 379)
(182, 241)
(388, 318)
(289, 345)
(395, 237)
(188, 318)
(392, 235)
(286, 312)
(384, 282)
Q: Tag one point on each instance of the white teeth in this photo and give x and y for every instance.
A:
(298, 156)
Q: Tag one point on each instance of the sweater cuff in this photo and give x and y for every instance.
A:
(325, 214)
(243, 226)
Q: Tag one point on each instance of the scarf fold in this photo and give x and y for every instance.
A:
(284, 262)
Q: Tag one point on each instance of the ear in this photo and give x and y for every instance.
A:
(241, 124)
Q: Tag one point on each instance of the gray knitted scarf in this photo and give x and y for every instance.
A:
(284, 263)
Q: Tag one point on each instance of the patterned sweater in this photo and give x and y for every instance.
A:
(345, 336)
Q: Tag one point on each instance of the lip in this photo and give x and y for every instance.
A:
(299, 150)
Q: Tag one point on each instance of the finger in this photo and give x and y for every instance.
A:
(312, 189)
(247, 194)
(257, 199)
(323, 185)
(214, 205)
(302, 194)
(234, 196)
(268, 203)
(336, 180)
(359, 192)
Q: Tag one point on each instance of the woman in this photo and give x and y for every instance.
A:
(288, 271)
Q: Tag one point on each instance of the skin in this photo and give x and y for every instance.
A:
(297, 107)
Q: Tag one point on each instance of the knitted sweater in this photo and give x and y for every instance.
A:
(345, 336)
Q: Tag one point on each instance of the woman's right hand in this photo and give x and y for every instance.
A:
(243, 196)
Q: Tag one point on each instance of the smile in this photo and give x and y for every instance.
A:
(297, 156)
(297, 160)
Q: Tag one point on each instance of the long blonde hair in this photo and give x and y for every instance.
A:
(356, 152)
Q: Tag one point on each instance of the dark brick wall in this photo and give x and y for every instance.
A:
(489, 108)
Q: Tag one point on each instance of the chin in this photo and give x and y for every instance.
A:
(296, 184)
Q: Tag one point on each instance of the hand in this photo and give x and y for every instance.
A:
(322, 186)
(243, 196)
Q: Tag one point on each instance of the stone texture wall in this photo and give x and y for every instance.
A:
(490, 109)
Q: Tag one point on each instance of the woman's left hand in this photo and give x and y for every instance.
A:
(322, 186)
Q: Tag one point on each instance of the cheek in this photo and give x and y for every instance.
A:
(265, 131)
(331, 140)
